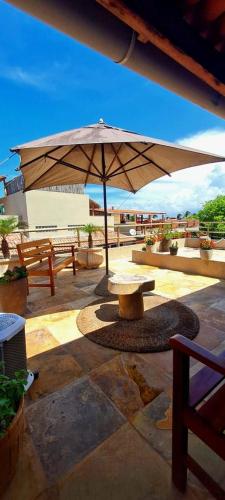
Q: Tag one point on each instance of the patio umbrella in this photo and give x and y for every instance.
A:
(102, 154)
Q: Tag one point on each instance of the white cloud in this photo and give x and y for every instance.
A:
(17, 74)
(47, 78)
(190, 188)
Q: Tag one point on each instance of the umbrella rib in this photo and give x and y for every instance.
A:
(111, 164)
(152, 161)
(124, 171)
(50, 168)
(88, 158)
(133, 168)
(39, 157)
(75, 167)
(134, 158)
(89, 167)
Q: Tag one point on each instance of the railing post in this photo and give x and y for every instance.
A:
(118, 236)
(78, 237)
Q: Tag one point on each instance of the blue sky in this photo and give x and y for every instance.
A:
(51, 83)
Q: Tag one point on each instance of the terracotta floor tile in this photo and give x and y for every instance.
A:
(38, 341)
(124, 467)
(67, 425)
(129, 382)
(56, 369)
(88, 354)
(146, 423)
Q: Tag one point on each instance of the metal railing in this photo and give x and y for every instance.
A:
(214, 229)
(118, 235)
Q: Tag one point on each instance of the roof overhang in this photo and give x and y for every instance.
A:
(179, 44)
(190, 32)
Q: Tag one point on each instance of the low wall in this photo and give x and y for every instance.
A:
(192, 242)
(192, 265)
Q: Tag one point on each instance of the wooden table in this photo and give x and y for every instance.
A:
(130, 287)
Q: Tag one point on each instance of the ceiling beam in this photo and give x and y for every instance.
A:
(148, 33)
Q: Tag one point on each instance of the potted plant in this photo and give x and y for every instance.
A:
(166, 238)
(206, 249)
(150, 242)
(11, 424)
(91, 257)
(174, 248)
(7, 226)
(13, 291)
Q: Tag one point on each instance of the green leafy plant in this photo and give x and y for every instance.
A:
(167, 235)
(11, 392)
(151, 239)
(7, 226)
(174, 244)
(91, 229)
(16, 274)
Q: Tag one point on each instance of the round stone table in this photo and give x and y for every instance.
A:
(130, 287)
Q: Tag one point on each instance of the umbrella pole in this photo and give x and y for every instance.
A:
(106, 230)
(105, 210)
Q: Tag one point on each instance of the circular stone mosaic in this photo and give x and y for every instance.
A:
(163, 318)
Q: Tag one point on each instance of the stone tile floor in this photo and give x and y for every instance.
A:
(97, 423)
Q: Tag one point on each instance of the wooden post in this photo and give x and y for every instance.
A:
(131, 306)
(78, 237)
(180, 431)
(51, 275)
(118, 236)
(74, 264)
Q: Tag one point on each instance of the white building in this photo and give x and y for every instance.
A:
(49, 208)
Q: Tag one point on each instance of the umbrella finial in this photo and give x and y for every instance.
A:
(101, 121)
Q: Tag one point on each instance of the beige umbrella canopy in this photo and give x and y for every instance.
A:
(102, 154)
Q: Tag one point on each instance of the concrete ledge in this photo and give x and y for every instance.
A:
(193, 265)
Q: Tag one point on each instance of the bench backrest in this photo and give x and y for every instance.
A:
(33, 251)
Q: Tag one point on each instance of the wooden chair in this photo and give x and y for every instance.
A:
(205, 418)
(40, 258)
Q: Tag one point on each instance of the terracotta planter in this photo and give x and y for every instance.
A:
(206, 254)
(13, 297)
(165, 245)
(6, 264)
(151, 248)
(10, 446)
(90, 258)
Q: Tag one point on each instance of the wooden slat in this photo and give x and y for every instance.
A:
(34, 243)
(34, 260)
(198, 352)
(148, 33)
(59, 266)
(42, 268)
(47, 249)
(203, 382)
(204, 431)
(214, 488)
(213, 410)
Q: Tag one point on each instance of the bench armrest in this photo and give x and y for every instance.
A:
(190, 348)
(63, 246)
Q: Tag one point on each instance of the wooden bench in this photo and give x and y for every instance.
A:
(204, 417)
(40, 259)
